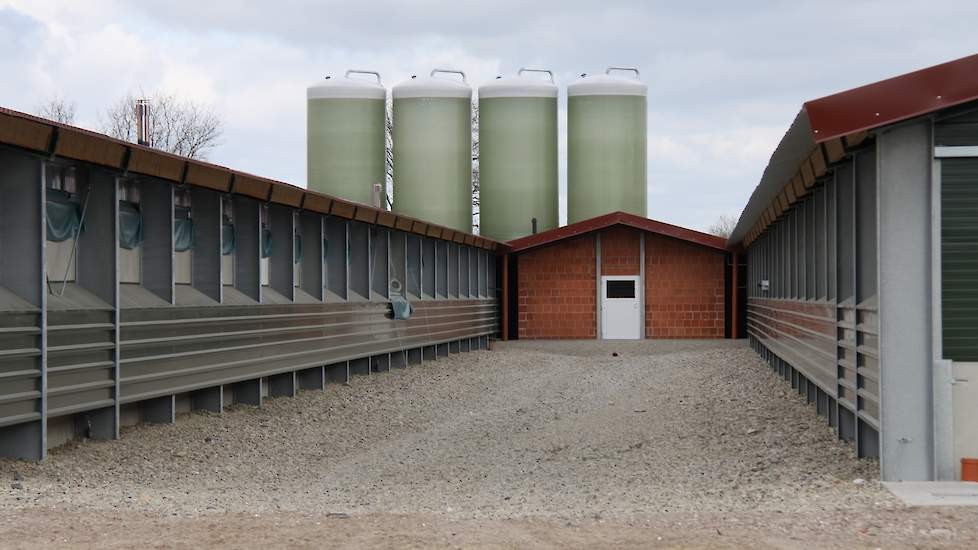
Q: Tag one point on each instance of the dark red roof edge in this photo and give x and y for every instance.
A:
(895, 99)
(618, 218)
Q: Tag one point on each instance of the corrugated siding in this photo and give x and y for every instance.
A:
(959, 258)
(961, 130)
(20, 372)
(173, 350)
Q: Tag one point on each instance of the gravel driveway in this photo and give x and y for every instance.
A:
(689, 443)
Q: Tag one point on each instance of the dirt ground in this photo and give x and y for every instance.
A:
(535, 444)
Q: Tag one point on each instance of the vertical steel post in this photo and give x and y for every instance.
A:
(597, 279)
(943, 376)
(905, 164)
(733, 295)
(505, 331)
(641, 282)
(43, 304)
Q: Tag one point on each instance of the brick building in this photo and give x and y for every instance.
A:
(619, 276)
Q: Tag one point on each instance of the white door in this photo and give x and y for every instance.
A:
(621, 309)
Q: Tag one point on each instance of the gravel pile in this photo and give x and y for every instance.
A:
(554, 430)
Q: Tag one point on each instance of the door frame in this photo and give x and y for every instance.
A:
(637, 279)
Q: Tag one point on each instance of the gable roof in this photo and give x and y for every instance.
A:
(61, 140)
(613, 219)
(825, 127)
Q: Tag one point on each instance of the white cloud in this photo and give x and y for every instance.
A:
(725, 79)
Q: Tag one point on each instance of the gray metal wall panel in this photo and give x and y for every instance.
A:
(845, 233)
(280, 264)
(20, 367)
(22, 342)
(453, 270)
(97, 248)
(311, 229)
(441, 261)
(428, 267)
(866, 226)
(167, 351)
(156, 207)
(205, 209)
(81, 353)
(99, 355)
(336, 258)
(413, 266)
(904, 297)
(20, 226)
(358, 252)
(812, 336)
(379, 263)
(247, 228)
(398, 262)
(831, 244)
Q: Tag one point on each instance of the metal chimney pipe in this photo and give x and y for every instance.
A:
(142, 122)
(534, 225)
(378, 191)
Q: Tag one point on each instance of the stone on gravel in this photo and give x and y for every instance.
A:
(533, 430)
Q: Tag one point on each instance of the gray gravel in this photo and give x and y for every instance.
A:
(532, 428)
(551, 430)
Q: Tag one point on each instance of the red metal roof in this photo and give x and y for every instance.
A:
(850, 114)
(894, 99)
(617, 218)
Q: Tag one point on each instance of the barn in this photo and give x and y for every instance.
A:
(619, 276)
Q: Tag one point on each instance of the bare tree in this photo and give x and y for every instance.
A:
(724, 226)
(389, 164)
(58, 110)
(389, 151)
(475, 167)
(180, 126)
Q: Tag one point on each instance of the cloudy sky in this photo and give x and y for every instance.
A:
(726, 78)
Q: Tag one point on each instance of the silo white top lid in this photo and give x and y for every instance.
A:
(348, 88)
(609, 84)
(433, 86)
(520, 86)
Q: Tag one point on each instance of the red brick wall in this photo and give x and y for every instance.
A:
(683, 289)
(557, 290)
(621, 251)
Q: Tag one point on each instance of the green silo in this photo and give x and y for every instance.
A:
(345, 136)
(606, 145)
(433, 150)
(517, 156)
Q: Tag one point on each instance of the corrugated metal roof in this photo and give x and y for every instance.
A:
(50, 137)
(617, 218)
(822, 124)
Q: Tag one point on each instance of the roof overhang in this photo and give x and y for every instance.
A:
(824, 128)
(613, 219)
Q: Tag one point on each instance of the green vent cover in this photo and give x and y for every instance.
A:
(959, 258)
